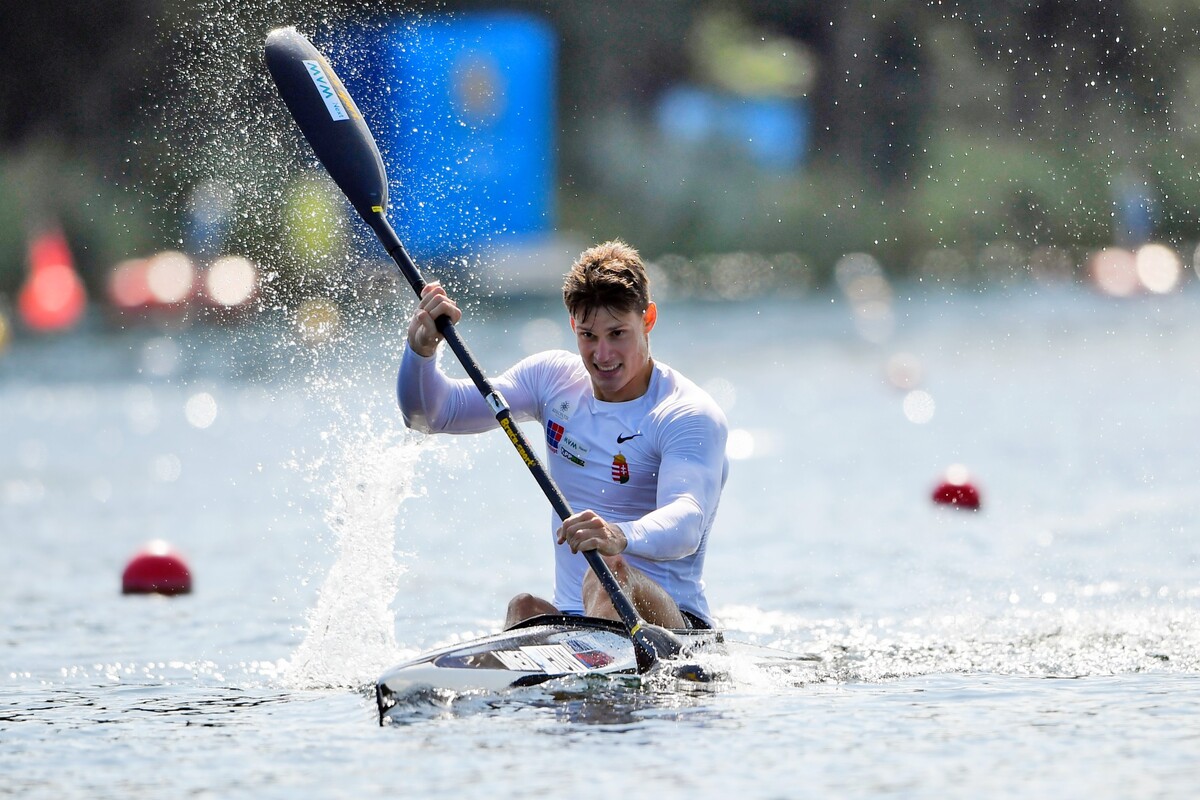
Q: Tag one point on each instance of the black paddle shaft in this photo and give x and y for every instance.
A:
(333, 125)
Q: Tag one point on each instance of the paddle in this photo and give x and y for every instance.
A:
(334, 127)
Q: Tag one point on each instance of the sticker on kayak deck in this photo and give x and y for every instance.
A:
(594, 659)
(325, 88)
(548, 658)
(589, 651)
(517, 660)
(554, 658)
(583, 642)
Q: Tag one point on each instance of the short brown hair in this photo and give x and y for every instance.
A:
(609, 275)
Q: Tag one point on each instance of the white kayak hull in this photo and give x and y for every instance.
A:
(540, 649)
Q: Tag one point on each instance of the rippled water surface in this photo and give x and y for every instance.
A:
(1048, 645)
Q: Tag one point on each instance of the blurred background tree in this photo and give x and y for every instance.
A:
(948, 124)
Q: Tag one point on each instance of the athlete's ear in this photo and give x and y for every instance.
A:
(572, 318)
(650, 316)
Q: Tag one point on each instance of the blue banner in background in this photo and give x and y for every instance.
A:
(462, 108)
(772, 131)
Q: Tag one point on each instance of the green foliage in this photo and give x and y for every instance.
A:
(732, 54)
(1174, 172)
(963, 126)
(975, 190)
(44, 185)
(12, 243)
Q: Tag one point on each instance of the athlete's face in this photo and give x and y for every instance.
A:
(615, 346)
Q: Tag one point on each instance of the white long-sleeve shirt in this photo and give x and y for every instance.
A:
(655, 465)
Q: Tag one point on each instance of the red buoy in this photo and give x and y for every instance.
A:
(157, 569)
(957, 490)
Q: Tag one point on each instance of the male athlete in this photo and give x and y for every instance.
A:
(637, 449)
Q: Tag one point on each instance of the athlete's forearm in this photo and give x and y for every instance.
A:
(667, 533)
(431, 402)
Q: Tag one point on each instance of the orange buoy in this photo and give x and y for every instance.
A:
(53, 297)
(957, 490)
(157, 569)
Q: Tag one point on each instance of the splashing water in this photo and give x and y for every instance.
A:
(1083, 642)
(351, 629)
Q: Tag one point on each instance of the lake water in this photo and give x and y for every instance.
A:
(1048, 645)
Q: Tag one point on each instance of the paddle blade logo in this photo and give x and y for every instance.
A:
(620, 469)
(328, 93)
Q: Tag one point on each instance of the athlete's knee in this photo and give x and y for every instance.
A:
(523, 606)
(521, 602)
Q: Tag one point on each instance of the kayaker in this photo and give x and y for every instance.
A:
(637, 449)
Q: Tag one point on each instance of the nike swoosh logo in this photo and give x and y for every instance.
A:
(624, 439)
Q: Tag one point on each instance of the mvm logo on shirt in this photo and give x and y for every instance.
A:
(573, 450)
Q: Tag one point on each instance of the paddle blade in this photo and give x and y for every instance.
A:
(652, 644)
(329, 120)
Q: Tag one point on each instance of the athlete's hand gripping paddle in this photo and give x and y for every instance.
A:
(334, 127)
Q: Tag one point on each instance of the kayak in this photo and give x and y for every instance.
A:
(546, 647)
(534, 651)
